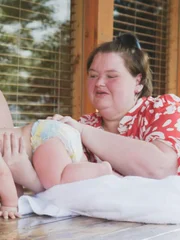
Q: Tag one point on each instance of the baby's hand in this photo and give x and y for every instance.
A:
(9, 212)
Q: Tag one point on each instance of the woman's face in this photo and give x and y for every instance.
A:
(111, 87)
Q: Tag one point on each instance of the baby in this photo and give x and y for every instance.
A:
(56, 153)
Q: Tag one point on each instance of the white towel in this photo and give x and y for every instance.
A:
(133, 199)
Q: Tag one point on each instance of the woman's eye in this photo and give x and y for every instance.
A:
(92, 76)
(110, 76)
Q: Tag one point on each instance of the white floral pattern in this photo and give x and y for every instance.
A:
(150, 119)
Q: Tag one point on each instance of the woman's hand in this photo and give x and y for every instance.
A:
(9, 212)
(68, 120)
(15, 156)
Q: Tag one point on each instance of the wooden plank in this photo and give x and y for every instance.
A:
(145, 232)
(172, 82)
(98, 20)
(90, 41)
(77, 52)
(36, 227)
(105, 21)
(83, 228)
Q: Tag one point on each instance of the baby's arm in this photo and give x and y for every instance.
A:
(8, 193)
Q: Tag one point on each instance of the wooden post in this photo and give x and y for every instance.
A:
(77, 23)
(98, 20)
(92, 24)
(173, 85)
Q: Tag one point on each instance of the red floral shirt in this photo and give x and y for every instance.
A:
(150, 119)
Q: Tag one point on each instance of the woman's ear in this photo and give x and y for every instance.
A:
(138, 86)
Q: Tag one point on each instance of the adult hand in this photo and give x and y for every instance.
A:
(9, 212)
(68, 120)
(15, 156)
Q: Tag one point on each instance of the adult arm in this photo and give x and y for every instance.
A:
(126, 155)
(5, 119)
(131, 156)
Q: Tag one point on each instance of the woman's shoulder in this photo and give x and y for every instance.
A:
(169, 98)
(162, 101)
(92, 119)
(153, 107)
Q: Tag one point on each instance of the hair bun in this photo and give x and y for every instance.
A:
(128, 40)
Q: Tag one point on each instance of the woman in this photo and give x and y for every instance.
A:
(137, 134)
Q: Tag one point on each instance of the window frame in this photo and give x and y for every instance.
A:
(97, 26)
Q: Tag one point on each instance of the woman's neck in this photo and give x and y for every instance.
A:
(110, 125)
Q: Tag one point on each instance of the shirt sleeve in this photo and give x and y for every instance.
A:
(95, 121)
(162, 122)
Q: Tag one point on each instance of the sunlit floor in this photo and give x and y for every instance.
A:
(41, 227)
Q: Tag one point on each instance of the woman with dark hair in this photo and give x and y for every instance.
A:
(136, 133)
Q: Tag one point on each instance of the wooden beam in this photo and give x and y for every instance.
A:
(172, 70)
(77, 20)
(98, 20)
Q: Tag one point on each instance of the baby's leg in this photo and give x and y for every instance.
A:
(85, 170)
(54, 166)
(8, 193)
(84, 158)
(49, 161)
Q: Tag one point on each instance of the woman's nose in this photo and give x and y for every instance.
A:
(100, 81)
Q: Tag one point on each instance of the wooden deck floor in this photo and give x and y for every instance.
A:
(83, 228)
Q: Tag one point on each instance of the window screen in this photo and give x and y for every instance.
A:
(35, 58)
(149, 21)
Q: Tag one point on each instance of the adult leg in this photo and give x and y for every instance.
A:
(54, 166)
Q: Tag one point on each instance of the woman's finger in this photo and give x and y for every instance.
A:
(66, 119)
(6, 144)
(21, 145)
(14, 144)
(1, 148)
(57, 117)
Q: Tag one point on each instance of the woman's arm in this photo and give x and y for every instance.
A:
(131, 156)
(126, 155)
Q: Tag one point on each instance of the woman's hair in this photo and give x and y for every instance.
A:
(135, 59)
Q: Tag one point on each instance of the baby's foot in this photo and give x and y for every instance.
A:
(107, 168)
